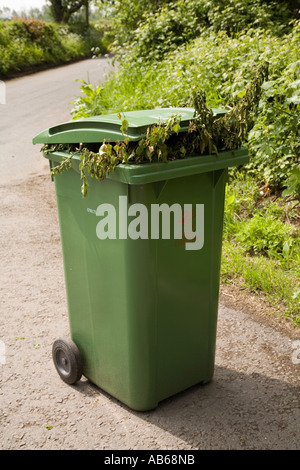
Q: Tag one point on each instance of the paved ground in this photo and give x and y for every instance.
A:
(253, 400)
(34, 103)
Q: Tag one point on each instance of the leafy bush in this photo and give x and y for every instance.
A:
(265, 234)
(163, 30)
(25, 43)
(274, 141)
(237, 15)
(151, 29)
(175, 46)
(293, 183)
(222, 66)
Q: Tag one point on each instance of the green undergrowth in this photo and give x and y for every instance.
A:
(221, 65)
(261, 248)
(26, 44)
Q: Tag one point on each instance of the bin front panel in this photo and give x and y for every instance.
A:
(142, 311)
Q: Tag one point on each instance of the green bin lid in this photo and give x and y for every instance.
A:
(108, 126)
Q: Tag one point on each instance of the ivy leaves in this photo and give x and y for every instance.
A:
(274, 139)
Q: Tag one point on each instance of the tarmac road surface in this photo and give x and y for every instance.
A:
(252, 401)
(34, 103)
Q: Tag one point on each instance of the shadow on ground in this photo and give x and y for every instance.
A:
(233, 411)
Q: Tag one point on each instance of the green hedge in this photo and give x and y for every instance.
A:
(221, 65)
(30, 43)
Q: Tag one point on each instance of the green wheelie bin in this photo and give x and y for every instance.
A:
(142, 255)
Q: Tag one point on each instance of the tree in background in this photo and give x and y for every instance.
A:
(62, 10)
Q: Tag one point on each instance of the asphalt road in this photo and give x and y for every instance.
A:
(34, 103)
(252, 401)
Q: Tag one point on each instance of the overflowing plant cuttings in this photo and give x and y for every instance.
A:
(164, 142)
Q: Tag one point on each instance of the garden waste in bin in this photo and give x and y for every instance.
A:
(142, 256)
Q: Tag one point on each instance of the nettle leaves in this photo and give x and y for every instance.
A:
(164, 141)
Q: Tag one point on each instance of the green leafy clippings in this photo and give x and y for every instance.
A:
(205, 135)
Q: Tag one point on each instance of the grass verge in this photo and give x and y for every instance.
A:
(261, 247)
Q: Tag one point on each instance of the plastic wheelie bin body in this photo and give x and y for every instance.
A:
(142, 259)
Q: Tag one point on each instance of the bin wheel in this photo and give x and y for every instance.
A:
(67, 360)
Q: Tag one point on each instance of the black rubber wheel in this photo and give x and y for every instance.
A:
(67, 360)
